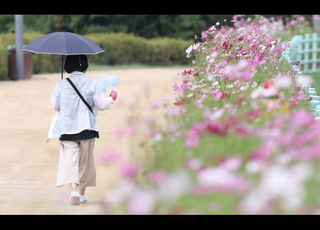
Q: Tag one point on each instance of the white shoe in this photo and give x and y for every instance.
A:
(83, 198)
(74, 198)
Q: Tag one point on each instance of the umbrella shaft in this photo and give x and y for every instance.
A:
(61, 66)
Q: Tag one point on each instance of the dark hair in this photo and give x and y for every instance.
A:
(76, 63)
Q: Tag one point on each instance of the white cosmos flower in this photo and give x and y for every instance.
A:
(304, 79)
(283, 82)
(244, 86)
(254, 84)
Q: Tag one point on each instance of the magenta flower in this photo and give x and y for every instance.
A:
(154, 105)
(156, 176)
(287, 45)
(193, 141)
(129, 170)
(204, 34)
(302, 118)
(223, 63)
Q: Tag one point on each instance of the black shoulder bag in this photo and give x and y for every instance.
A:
(77, 91)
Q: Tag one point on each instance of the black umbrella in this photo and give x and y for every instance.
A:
(63, 43)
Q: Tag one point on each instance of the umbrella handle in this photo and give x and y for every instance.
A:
(61, 66)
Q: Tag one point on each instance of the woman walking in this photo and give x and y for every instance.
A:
(76, 126)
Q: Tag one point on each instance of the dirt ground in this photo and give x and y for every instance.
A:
(28, 163)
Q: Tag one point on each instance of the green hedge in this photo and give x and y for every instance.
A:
(129, 49)
(120, 49)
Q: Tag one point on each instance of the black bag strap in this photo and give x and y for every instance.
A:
(77, 91)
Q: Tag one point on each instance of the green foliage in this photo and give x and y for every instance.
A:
(5, 40)
(120, 49)
(147, 26)
(129, 49)
(41, 63)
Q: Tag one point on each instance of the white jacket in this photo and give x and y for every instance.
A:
(72, 115)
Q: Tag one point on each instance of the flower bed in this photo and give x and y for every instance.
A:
(240, 137)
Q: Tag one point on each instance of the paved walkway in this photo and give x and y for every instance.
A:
(28, 163)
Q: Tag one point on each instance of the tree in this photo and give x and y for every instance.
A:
(148, 26)
(7, 24)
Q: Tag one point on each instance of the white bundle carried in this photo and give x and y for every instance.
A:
(108, 83)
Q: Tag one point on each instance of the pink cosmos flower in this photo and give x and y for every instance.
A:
(189, 49)
(194, 164)
(132, 129)
(283, 82)
(304, 79)
(174, 185)
(200, 101)
(300, 96)
(111, 156)
(154, 106)
(243, 130)
(302, 118)
(176, 111)
(215, 180)
(156, 176)
(119, 132)
(211, 60)
(253, 114)
(193, 141)
(141, 202)
(272, 105)
(231, 163)
(260, 154)
(204, 34)
(223, 63)
(273, 185)
(237, 84)
(145, 87)
(129, 170)
(149, 120)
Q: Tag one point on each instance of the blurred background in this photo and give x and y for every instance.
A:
(129, 40)
(147, 26)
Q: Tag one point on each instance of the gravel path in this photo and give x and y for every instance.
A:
(28, 163)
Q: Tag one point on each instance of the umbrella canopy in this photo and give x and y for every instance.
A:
(63, 43)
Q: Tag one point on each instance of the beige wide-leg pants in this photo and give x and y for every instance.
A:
(76, 163)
